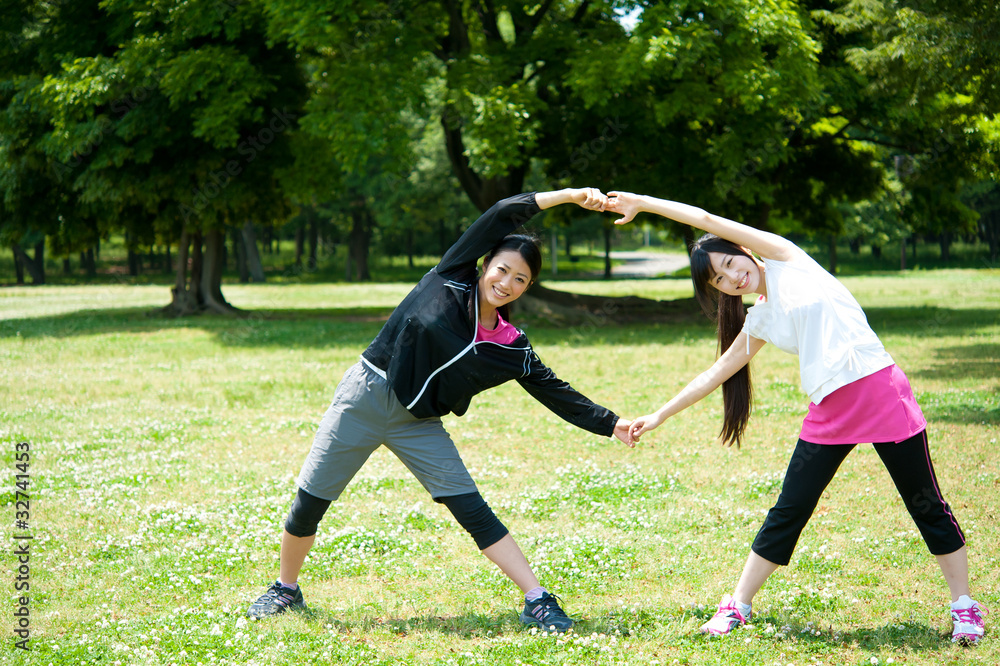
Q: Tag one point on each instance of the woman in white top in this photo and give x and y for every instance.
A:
(858, 395)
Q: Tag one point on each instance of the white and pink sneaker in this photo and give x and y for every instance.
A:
(967, 618)
(727, 618)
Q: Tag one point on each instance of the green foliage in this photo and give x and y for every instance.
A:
(142, 116)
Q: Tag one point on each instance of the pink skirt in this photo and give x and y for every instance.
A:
(877, 408)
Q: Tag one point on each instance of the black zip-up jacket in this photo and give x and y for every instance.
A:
(428, 350)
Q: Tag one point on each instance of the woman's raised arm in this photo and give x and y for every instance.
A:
(590, 198)
(764, 243)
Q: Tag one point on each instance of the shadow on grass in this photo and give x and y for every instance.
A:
(293, 328)
(979, 361)
(914, 636)
(469, 625)
(355, 327)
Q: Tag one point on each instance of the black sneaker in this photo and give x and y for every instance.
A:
(545, 613)
(275, 601)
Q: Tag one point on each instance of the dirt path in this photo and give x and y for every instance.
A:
(640, 264)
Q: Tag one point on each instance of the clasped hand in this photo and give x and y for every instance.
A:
(627, 205)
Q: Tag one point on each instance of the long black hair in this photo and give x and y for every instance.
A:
(530, 250)
(737, 391)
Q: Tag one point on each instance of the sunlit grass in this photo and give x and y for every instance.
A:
(164, 453)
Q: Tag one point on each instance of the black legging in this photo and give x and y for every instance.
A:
(812, 467)
(469, 509)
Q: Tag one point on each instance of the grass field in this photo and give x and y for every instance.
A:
(163, 454)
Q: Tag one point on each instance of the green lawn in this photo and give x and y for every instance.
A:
(163, 455)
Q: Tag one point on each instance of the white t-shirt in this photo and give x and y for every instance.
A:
(810, 313)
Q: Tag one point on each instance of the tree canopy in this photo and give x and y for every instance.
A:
(176, 121)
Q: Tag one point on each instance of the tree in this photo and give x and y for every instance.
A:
(38, 200)
(931, 76)
(171, 119)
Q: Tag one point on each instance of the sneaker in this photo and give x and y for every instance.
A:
(725, 619)
(969, 625)
(545, 613)
(275, 601)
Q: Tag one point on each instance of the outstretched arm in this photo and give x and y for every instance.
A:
(571, 405)
(764, 243)
(590, 198)
(725, 367)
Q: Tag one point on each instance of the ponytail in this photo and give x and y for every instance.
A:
(728, 312)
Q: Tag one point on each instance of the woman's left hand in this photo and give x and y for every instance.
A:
(590, 198)
(622, 432)
(624, 203)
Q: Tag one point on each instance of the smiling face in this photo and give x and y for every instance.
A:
(736, 274)
(504, 278)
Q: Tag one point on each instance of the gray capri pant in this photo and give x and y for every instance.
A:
(366, 414)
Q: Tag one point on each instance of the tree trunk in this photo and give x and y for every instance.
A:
(300, 245)
(182, 301)
(359, 239)
(554, 251)
(945, 241)
(36, 266)
(133, 260)
(902, 255)
(201, 289)
(240, 250)
(313, 237)
(607, 252)
(253, 255)
(168, 262)
(91, 262)
(18, 265)
(877, 251)
(482, 192)
(211, 274)
(67, 268)
(991, 225)
(832, 249)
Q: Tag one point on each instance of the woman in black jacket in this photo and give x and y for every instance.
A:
(446, 341)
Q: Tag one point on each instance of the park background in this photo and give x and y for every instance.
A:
(213, 204)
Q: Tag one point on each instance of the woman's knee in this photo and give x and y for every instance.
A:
(474, 514)
(306, 512)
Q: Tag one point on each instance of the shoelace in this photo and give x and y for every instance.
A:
(970, 615)
(731, 611)
(550, 608)
(282, 595)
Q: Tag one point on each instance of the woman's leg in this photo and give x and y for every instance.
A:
(299, 534)
(756, 571)
(507, 555)
(955, 567)
(293, 555)
(810, 471)
(296, 540)
(909, 464)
